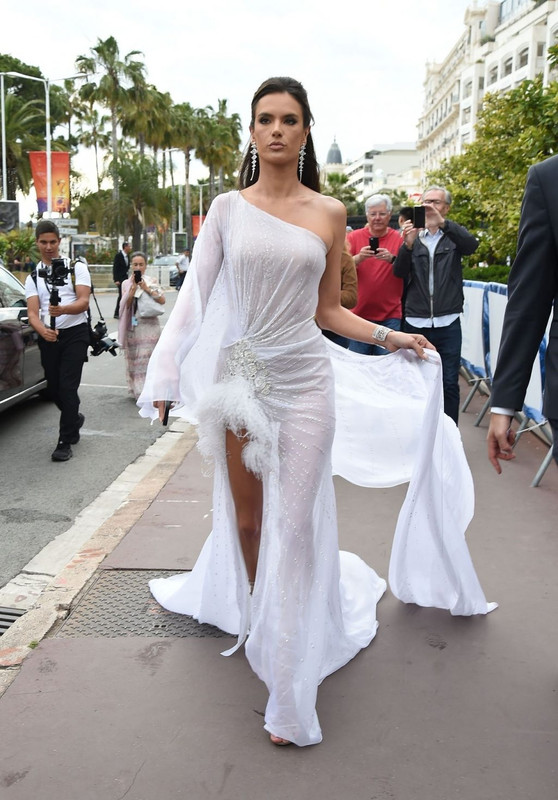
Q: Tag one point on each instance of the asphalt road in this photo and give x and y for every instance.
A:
(39, 499)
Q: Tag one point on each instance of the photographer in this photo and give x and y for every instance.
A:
(139, 328)
(430, 261)
(57, 303)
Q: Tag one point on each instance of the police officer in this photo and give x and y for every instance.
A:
(64, 347)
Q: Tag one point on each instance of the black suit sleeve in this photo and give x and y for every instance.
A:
(119, 267)
(531, 290)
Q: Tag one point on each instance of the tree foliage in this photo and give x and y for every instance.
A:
(128, 122)
(336, 185)
(25, 121)
(17, 244)
(514, 130)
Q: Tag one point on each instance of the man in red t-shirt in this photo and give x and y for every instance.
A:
(379, 291)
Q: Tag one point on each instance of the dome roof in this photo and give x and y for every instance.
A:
(334, 154)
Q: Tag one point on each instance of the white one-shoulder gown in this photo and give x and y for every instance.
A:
(241, 350)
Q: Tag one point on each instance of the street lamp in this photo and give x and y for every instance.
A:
(48, 137)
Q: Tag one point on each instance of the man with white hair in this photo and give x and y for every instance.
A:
(374, 249)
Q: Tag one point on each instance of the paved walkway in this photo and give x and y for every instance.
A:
(436, 708)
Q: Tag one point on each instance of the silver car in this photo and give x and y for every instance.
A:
(21, 372)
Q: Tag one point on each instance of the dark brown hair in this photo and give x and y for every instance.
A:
(310, 171)
(46, 226)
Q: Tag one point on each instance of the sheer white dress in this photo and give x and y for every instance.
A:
(241, 351)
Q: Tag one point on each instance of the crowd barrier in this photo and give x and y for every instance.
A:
(482, 322)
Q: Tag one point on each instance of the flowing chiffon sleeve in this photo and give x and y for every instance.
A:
(183, 361)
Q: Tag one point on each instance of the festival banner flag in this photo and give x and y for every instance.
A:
(196, 224)
(60, 180)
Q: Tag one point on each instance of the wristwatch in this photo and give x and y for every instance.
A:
(381, 332)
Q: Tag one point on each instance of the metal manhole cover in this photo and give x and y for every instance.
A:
(119, 603)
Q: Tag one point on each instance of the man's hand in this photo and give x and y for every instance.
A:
(409, 233)
(384, 255)
(49, 335)
(500, 439)
(433, 216)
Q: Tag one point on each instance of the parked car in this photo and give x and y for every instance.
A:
(168, 261)
(21, 372)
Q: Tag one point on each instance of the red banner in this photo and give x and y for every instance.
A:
(60, 180)
(196, 225)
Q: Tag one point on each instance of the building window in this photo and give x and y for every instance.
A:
(481, 83)
(468, 89)
(508, 66)
(540, 49)
(492, 75)
(523, 58)
(466, 115)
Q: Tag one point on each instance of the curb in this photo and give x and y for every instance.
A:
(116, 510)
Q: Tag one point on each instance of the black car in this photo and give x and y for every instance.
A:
(21, 372)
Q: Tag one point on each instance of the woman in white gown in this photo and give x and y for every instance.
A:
(242, 355)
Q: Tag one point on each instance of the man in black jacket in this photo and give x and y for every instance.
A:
(120, 272)
(532, 289)
(430, 261)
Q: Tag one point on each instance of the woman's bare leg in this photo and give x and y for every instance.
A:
(247, 493)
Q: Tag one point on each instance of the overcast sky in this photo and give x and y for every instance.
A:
(362, 63)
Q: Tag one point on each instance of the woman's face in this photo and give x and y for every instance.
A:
(278, 128)
(138, 262)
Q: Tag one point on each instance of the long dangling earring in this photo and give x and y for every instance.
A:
(254, 157)
(301, 154)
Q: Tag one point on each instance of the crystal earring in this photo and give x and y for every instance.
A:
(254, 158)
(301, 154)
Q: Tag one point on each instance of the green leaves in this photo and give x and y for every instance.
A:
(514, 130)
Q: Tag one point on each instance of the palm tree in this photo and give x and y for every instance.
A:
(140, 195)
(336, 186)
(231, 127)
(91, 133)
(218, 145)
(186, 132)
(95, 212)
(19, 120)
(110, 90)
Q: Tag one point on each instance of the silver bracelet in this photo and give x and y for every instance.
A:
(381, 333)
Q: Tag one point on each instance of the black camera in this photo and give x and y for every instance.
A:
(58, 272)
(100, 341)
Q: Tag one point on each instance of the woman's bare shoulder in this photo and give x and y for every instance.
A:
(332, 207)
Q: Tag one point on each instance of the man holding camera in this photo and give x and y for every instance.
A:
(57, 304)
(431, 260)
(374, 248)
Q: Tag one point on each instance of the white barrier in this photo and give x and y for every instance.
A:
(482, 323)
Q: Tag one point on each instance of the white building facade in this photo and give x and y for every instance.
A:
(504, 43)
